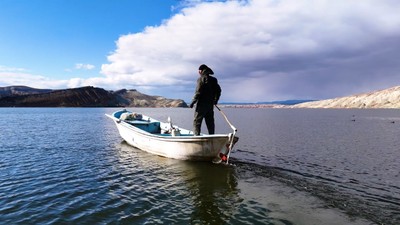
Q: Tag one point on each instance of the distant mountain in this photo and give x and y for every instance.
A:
(75, 97)
(388, 98)
(21, 90)
(286, 102)
(273, 104)
(22, 96)
(137, 99)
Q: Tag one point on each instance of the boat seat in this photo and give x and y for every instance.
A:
(138, 122)
(181, 135)
(151, 127)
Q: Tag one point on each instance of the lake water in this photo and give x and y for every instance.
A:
(291, 166)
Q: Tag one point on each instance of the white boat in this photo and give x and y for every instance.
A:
(167, 140)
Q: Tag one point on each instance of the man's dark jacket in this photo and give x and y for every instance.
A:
(207, 91)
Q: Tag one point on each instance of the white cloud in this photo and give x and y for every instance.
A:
(36, 81)
(260, 50)
(11, 69)
(297, 41)
(84, 66)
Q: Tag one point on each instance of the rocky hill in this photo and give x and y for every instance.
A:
(137, 99)
(388, 98)
(22, 96)
(21, 90)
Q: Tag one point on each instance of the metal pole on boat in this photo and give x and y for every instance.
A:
(233, 135)
(226, 118)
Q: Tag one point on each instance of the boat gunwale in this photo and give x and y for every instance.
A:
(201, 138)
(193, 138)
(199, 146)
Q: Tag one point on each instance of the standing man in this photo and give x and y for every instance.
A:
(205, 97)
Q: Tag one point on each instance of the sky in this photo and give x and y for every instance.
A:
(259, 50)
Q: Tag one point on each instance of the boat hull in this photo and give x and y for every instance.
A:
(187, 147)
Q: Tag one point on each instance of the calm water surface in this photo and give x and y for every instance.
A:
(297, 166)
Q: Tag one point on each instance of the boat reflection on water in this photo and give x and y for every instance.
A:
(214, 192)
(169, 190)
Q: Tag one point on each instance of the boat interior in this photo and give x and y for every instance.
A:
(150, 125)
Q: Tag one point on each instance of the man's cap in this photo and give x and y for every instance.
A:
(206, 69)
(203, 67)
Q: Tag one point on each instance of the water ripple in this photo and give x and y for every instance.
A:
(69, 170)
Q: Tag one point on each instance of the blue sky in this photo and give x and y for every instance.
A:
(260, 50)
(50, 37)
